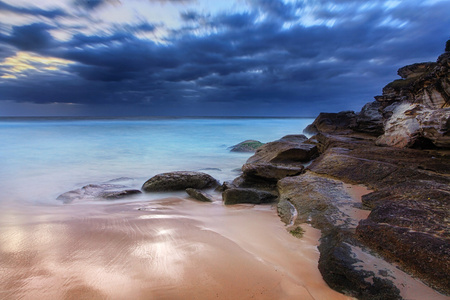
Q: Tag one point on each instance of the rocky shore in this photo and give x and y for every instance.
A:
(397, 146)
(396, 150)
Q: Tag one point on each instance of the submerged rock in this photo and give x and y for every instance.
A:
(102, 191)
(177, 181)
(199, 195)
(246, 146)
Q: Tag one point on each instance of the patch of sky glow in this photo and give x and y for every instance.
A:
(330, 60)
(394, 23)
(17, 65)
(391, 4)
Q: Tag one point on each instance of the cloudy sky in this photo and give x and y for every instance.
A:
(209, 58)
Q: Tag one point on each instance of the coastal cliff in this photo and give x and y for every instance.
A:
(399, 148)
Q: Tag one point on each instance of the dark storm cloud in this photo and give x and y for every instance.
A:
(241, 60)
(33, 37)
(34, 11)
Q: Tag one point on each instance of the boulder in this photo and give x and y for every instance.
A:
(180, 180)
(284, 151)
(246, 146)
(332, 122)
(199, 195)
(247, 195)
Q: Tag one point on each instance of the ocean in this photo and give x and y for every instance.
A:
(41, 158)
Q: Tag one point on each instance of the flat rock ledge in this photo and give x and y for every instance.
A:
(372, 248)
(179, 181)
(247, 195)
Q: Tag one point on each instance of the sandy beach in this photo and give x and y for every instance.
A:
(171, 248)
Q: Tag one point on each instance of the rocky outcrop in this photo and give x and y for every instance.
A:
(247, 195)
(199, 195)
(271, 162)
(412, 112)
(416, 108)
(98, 191)
(246, 146)
(177, 181)
(410, 205)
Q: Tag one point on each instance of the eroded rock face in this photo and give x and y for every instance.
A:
(370, 119)
(424, 83)
(181, 180)
(412, 124)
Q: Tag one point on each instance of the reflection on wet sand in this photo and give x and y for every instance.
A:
(166, 249)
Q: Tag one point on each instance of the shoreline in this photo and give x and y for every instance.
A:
(163, 249)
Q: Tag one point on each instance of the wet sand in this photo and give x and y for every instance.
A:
(165, 249)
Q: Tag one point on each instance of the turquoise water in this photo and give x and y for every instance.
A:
(41, 158)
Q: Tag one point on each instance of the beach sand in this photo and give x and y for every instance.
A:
(171, 248)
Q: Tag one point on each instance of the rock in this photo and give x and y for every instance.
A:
(412, 124)
(276, 160)
(410, 205)
(92, 191)
(181, 180)
(247, 195)
(199, 195)
(332, 122)
(284, 151)
(370, 120)
(246, 146)
(402, 128)
(350, 269)
(435, 126)
(415, 70)
(271, 171)
(362, 162)
(225, 186)
(321, 201)
(326, 204)
(294, 138)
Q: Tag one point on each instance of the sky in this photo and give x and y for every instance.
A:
(209, 58)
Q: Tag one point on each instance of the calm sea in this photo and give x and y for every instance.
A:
(41, 158)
